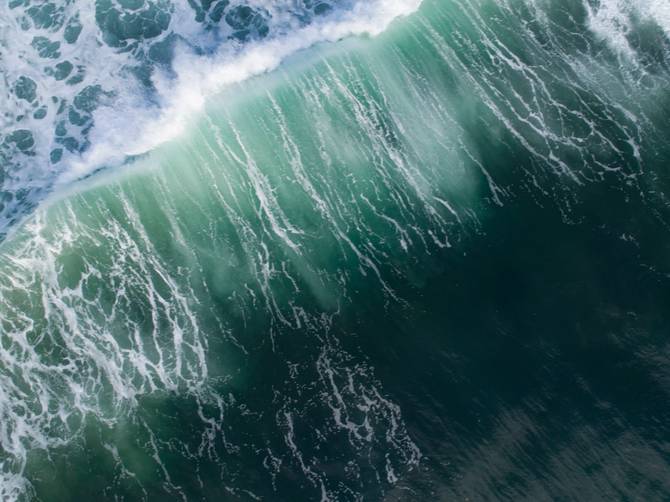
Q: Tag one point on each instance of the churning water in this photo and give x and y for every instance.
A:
(343, 250)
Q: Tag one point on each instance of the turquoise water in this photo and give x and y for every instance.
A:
(429, 264)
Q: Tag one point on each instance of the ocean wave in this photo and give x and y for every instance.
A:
(88, 84)
(295, 228)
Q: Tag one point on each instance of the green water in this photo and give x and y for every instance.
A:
(429, 265)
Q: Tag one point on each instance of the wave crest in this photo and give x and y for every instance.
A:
(89, 84)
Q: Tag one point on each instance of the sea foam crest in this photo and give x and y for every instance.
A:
(86, 85)
(200, 76)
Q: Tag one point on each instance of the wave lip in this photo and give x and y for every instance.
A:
(86, 90)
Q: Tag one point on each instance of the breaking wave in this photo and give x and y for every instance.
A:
(88, 84)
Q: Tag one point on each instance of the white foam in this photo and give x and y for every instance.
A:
(127, 131)
(612, 21)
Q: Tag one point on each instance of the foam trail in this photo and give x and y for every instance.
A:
(219, 319)
(151, 340)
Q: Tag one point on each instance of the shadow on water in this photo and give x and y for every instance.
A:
(535, 361)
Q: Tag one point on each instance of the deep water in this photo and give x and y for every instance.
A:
(432, 264)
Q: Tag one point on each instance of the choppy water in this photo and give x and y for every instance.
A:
(428, 261)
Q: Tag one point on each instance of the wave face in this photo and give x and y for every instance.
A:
(429, 264)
